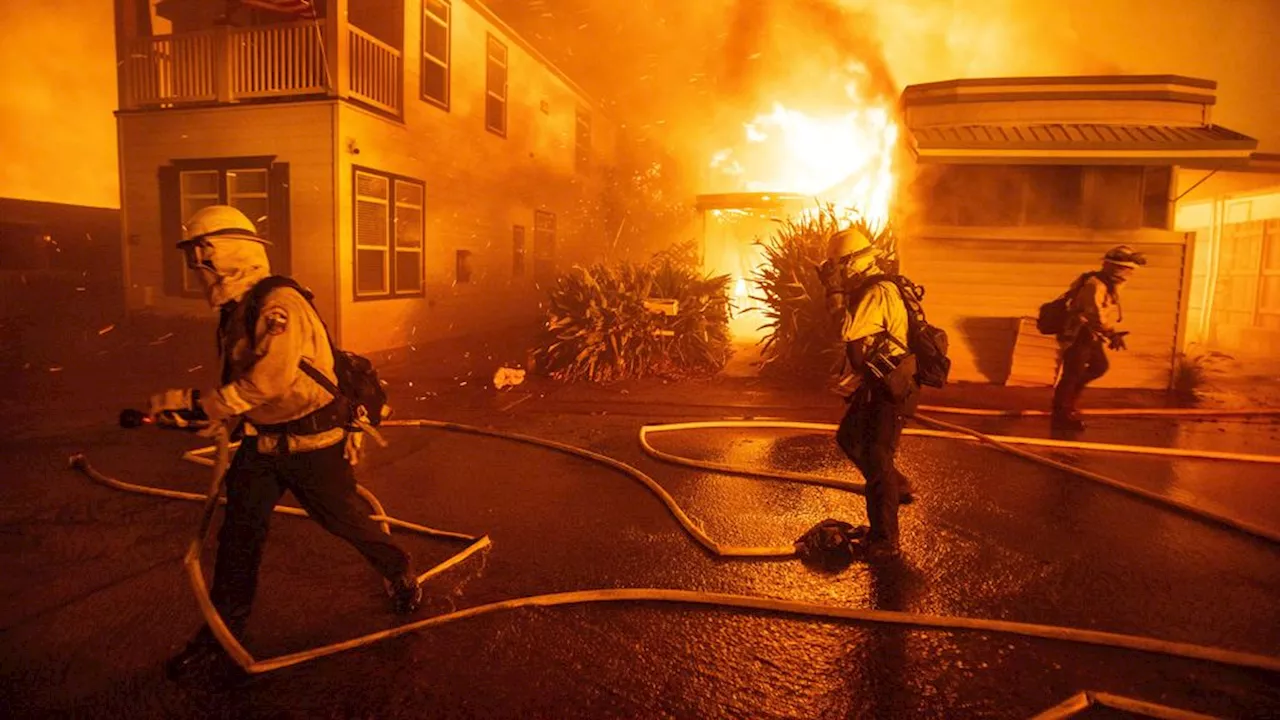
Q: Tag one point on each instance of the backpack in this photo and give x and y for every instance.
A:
(1053, 316)
(927, 342)
(358, 381)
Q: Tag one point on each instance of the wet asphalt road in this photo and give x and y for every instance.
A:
(94, 599)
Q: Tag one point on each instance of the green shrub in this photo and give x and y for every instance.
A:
(800, 341)
(599, 329)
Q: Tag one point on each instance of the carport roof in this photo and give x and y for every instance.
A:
(1082, 143)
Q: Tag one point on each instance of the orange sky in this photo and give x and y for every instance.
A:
(57, 58)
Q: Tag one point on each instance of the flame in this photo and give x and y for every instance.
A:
(845, 159)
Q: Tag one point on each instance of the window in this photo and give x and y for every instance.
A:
(462, 268)
(544, 246)
(1113, 197)
(1053, 195)
(1156, 182)
(256, 186)
(495, 102)
(582, 159)
(435, 52)
(517, 251)
(389, 214)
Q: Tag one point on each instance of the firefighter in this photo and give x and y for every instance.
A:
(1093, 319)
(877, 379)
(295, 433)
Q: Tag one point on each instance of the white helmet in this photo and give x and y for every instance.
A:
(219, 220)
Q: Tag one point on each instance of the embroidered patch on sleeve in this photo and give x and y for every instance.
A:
(276, 320)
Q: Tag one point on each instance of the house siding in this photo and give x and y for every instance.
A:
(479, 185)
(300, 134)
(980, 281)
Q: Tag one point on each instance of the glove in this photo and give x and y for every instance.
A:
(1116, 341)
(181, 400)
(353, 451)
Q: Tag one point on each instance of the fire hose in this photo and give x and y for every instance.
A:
(793, 608)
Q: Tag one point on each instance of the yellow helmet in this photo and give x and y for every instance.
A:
(219, 220)
(852, 241)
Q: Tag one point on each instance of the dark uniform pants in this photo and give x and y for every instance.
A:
(325, 486)
(1084, 361)
(868, 435)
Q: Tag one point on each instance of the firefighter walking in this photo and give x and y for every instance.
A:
(1092, 328)
(296, 432)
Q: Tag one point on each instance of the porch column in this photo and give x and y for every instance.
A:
(337, 48)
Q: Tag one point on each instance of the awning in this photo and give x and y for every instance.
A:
(1083, 143)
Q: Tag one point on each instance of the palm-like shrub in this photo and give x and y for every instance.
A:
(599, 328)
(801, 341)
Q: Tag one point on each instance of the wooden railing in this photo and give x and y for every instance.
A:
(375, 71)
(228, 64)
(277, 60)
(172, 68)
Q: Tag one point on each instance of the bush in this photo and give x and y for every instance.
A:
(1190, 374)
(801, 342)
(599, 329)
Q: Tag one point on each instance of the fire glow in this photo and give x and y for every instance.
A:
(843, 159)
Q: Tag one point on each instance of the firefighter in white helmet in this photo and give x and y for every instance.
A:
(1093, 326)
(877, 378)
(295, 431)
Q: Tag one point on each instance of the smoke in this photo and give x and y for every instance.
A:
(57, 71)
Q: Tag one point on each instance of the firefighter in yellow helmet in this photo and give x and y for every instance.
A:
(877, 378)
(278, 377)
(1092, 327)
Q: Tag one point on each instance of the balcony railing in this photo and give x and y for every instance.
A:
(228, 64)
(375, 71)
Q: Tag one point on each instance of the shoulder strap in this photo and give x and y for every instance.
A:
(864, 285)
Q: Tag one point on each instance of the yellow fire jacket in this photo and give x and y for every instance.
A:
(261, 377)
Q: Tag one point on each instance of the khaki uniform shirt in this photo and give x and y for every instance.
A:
(266, 384)
(1094, 306)
(881, 309)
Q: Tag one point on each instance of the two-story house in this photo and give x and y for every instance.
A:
(1024, 183)
(415, 163)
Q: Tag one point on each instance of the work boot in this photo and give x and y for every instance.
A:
(204, 661)
(1067, 422)
(406, 594)
(877, 551)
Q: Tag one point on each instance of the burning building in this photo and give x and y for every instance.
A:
(1023, 183)
(419, 165)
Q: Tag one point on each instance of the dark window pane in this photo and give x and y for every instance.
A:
(408, 227)
(408, 272)
(496, 80)
(435, 41)
(1054, 195)
(371, 272)
(1116, 197)
(1155, 197)
(435, 82)
(989, 196)
(371, 223)
(495, 114)
(462, 267)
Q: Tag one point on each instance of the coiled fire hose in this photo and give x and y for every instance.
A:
(663, 595)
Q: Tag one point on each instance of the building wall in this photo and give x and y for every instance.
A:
(300, 134)
(1235, 288)
(980, 281)
(479, 185)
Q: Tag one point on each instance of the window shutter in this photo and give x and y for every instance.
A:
(170, 229)
(280, 233)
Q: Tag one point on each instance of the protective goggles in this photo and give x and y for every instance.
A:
(198, 254)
